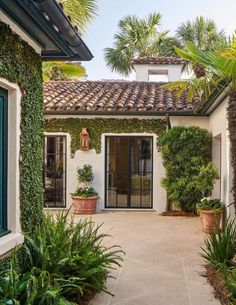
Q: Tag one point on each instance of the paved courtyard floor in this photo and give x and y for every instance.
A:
(162, 265)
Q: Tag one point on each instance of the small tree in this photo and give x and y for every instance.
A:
(85, 174)
(190, 174)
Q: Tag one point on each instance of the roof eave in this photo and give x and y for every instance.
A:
(30, 18)
(119, 113)
(61, 21)
(215, 99)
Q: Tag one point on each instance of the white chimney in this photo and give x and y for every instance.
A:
(167, 69)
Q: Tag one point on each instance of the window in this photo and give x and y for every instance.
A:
(3, 161)
(55, 171)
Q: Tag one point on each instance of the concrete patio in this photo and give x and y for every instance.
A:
(162, 265)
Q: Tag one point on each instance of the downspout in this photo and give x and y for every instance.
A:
(59, 19)
(168, 121)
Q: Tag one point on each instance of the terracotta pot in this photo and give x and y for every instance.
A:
(84, 205)
(211, 220)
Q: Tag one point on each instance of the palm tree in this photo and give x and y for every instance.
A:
(202, 32)
(220, 67)
(59, 70)
(81, 13)
(137, 37)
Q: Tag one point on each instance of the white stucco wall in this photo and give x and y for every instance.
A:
(98, 163)
(173, 72)
(218, 126)
(188, 121)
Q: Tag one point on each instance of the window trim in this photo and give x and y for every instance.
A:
(14, 236)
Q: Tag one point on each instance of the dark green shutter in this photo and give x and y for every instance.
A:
(3, 160)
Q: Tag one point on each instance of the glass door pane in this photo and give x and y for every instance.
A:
(141, 172)
(117, 172)
(54, 171)
(129, 172)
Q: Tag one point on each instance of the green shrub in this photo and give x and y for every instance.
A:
(220, 248)
(60, 263)
(189, 174)
(73, 254)
(31, 288)
(230, 280)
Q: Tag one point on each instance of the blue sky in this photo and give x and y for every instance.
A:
(100, 33)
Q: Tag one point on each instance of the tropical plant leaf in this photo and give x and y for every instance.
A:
(81, 12)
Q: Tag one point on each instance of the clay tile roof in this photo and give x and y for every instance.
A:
(112, 96)
(161, 60)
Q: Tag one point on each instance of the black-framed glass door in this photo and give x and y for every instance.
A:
(55, 171)
(129, 172)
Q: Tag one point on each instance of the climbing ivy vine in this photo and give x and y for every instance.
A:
(20, 64)
(99, 126)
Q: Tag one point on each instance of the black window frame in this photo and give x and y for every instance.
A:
(4, 215)
(129, 172)
(64, 170)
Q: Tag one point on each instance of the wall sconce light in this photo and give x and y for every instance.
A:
(84, 139)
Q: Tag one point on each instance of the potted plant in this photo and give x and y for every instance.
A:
(85, 197)
(210, 210)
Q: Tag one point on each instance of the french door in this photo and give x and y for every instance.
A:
(3, 161)
(129, 172)
(55, 171)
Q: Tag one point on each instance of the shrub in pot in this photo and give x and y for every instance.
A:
(85, 197)
(210, 210)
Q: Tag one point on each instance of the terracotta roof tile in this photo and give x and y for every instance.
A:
(112, 96)
(161, 60)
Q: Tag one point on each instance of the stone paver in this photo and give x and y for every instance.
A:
(162, 265)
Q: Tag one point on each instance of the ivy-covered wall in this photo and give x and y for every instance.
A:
(99, 126)
(20, 64)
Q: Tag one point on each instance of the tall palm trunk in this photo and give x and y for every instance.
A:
(231, 110)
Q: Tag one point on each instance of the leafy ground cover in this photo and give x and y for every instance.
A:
(63, 263)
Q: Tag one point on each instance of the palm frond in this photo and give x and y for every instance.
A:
(136, 37)
(68, 69)
(82, 12)
(118, 60)
(202, 32)
(194, 87)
